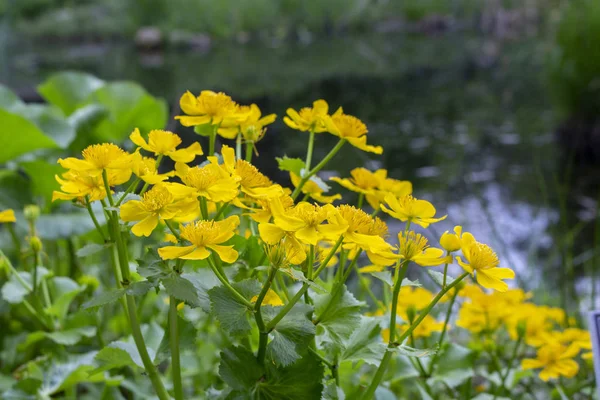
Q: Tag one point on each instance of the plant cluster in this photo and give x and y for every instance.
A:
(212, 265)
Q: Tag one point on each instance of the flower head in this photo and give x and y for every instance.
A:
(555, 360)
(165, 143)
(208, 108)
(99, 157)
(252, 128)
(78, 184)
(209, 181)
(352, 129)
(205, 236)
(451, 241)
(481, 258)
(408, 208)
(415, 247)
(309, 119)
(361, 180)
(7, 216)
(145, 169)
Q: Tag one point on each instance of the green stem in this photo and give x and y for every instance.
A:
(174, 342)
(317, 168)
(443, 334)
(388, 355)
(262, 332)
(131, 187)
(309, 150)
(220, 211)
(226, 283)
(203, 208)
(211, 141)
(445, 272)
(172, 229)
(15, 238)
(249, 151)
(361, 200)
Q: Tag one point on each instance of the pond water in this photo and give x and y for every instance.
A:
(466, 119)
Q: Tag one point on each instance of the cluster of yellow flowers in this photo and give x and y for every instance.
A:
(204, 205)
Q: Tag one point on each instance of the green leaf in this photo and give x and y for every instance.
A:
(92, 248)
(14, 190)
(457, 365)
(412, 352)
(13, 292)
(299, 381)
(67, 290)
(103, 299)
(65, 225)
(438, 277)
(152, 267)
(339, 314)
(75, 369)
(254, 252)
(51, 121)
(8, 99)
(365, 343)
(384, 276)
(115, 355)
(204, 130)
(19, 136)
(229, 310)
(239, 369)
(294, 165)
(67, 337)
(187, 340)
(42, 179)
(140, 288)
(86, 117)
(291, 335)
(67, 90)
(181, 289)
(129, 106)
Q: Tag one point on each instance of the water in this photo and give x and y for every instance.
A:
(466, 119)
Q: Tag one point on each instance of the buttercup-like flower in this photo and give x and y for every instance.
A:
(208, 108)
(451, 241)
(407, 208)
(481, 258)
(555, 360)
(209, 181)
(309, 119)
(7, 216)
(387, 186)
(205, 236)
(252, 128)
(165, 143)
(156, 204)
(415, 247)
(362, 180)
(145, 169)
(99, 157)
(76, 184)
(352, 129)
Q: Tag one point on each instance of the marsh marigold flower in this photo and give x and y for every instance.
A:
(451, 241)
(77, 184)
(7, 216)
(100, 157)
(145, 169)
(156, 204)
(482, 259)
(164, 143)
(209, 181)
(264, 213)
(555, 360)
(208, 108)
(352, 129)
(252, 128)
(205, 236)
(361, 180)
(309, 119)
(408, 208)
(415, 247)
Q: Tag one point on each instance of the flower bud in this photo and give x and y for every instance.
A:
(450, 242)
(36, 244)
(31, 212)
(90, 281)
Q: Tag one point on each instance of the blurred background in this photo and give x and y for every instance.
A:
(490, 107)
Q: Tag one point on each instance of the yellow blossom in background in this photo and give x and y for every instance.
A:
(352, 129)
(145, 169)
(554, 360)
(205, 236)
(156, 204)
(451, 241)
(362, 180)
(271, 299)
(482, 259)
(99, 157)
(414, 297)
(408, 208)
(309, 119)
(165, 143)
(387, 186)
(313, 190)
(208, 108)
(76, 184)
(209, 181)
(427, 326)
(415, 247)
(7, 216)
(252, 128)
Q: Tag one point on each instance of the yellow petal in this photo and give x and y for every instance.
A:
(133, 211)
(7, 216)
(270, 233)
(145, 226)
(188, 154)
(193, 121)
(226, 253)
(308, 235)
(136, 138)
(189, 104)
(200, 253)
(172, 252)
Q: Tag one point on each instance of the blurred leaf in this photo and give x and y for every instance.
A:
(59, 376)
(187, 340)
(291, 335)
(92, 248)
(50, 121)
(204, 130)
(412, 352)
(152, 267)
(41, 174)
(14, 190)
(384, 276)
(65, 225)
(8, 99)
(456, 367)
(67, 337)
(64, 297)
(67, 90)
(181, 289)
(115, 355)
(104, 298)
(13, 291)
(294, 165)
(20, 136)
(140, 288)
(229, 310)
(338, 314)
(365, 343)
(438, 277)
(86, 117)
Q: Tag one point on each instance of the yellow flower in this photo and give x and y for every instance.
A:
(413, 297)
(7, 216)
(352, 129)
(145, 169)
(208, 108)
(555, 360)
(481, 258)
(274, 236)
(313, 190)
(451, 241)
(264, 214)
(165, 143)
(99, 157)
(427, 326)
(205, 236)
(414, 247)
(209, 181)
(362, 180)
(536, 324)
(252, 128)
(271, 299)
(407, 208)
(386, 186)
(309, 119)
(76, 184)
(156, 204)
